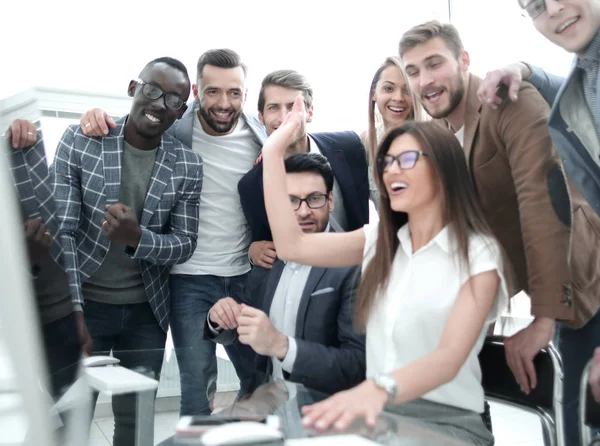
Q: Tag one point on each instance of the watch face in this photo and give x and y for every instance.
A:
(388, 384)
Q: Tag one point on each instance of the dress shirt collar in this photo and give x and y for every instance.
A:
(441, 239)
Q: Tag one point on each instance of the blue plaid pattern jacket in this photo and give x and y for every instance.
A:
(33, 185)
(87, 176)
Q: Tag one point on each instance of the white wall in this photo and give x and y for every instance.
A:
(100, 46)
(495, 33)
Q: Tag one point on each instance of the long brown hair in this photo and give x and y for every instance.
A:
(418, 113)
(462, 211)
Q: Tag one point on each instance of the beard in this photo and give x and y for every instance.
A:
(456, 93)
(218, 126)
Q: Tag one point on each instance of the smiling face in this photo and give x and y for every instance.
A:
(410, 190)
(392, 97)
(436, 76)
(221, 96)
(305, 185)
(151, 118)
(570, 24)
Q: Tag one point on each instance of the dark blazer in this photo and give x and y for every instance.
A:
(348, 159)
(331, 355)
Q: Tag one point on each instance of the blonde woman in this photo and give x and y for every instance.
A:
(391, 103)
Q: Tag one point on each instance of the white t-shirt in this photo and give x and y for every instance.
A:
(407, 321)
(223, 233)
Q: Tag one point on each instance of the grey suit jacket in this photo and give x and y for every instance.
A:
(87, 174)
(584, 184)
(577, 162)
(331, 355)
(32, 181)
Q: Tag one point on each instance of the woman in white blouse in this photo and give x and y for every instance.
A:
(432, 279)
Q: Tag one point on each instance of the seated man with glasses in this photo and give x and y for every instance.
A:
(128, 207)
(300, 323)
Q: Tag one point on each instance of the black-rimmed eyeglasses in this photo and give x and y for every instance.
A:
(406, 160)
(533, 8)
(153, 92)
(314, 201)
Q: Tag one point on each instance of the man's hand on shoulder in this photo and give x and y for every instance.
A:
(96, 122)
(509, 76)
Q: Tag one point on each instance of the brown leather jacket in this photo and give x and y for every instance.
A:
(521, 184)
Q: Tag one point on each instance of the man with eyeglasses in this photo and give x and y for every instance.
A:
(128, 205)
(574, 124)
(300, 322)
(574, 120)
(517, 175)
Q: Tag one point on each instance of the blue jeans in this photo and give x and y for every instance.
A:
(191, 299)
(134, 336)
(576, 347)
(63, 350)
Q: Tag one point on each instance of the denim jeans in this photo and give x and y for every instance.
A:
(191, 299)
(133, 335)
(63, 350)
(576, 347)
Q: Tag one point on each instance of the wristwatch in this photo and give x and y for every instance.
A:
(387, 383)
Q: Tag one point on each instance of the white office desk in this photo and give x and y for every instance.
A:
(118, 380)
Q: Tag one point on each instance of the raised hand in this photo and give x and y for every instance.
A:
(292, 127)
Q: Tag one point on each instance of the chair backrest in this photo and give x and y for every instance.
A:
(589, 409)
(498, 380)
(499, 383)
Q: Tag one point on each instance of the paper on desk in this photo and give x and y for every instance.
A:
(332, 440)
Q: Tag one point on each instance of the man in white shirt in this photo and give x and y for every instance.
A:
(228, 142)
(308, 335)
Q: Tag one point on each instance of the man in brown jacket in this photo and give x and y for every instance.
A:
(520, 182)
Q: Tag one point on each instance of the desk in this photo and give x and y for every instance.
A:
(286, 399)
(117, 380)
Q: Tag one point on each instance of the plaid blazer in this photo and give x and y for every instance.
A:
(87, 175)
(33, 185)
